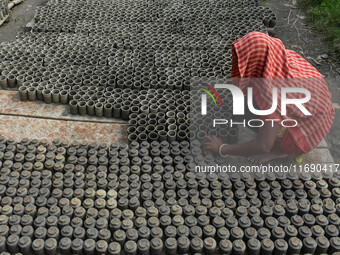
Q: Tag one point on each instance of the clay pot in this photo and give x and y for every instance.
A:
(23, 93)
(31, 93)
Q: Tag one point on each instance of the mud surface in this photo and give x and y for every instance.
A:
(19, 16)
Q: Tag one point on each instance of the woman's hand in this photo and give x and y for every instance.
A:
(213, 143)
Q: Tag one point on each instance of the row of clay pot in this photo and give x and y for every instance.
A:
(142, 42)
(161, 130)
(172, 123)
(194, 29)
(213, 29)
(185, 32)
(127, 100)
(41, 60)
(67, 71)
(169, 125)
(78, 75)
(14, 72)
(217, 3)
(113, 107)
(202, 126)
(41, 46)
(160, 136)
(217, 31)
(3, 9)
(182, 83)
(163, 60)
(72, 75)
(75, 12)
(227, 135)
(66, 17)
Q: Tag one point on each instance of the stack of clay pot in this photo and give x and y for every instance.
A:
(88, 54)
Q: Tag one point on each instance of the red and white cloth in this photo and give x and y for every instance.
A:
(257, 55)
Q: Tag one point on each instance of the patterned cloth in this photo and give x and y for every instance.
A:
(257, 55)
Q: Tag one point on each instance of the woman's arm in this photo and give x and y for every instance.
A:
(263, 143)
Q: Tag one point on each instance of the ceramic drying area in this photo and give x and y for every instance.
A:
(108, 61)
(70, 184)
(138, 60)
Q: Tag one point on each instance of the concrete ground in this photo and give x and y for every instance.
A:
(36, 119)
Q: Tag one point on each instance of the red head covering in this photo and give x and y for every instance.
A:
(257, 55)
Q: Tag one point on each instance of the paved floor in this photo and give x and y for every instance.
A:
(35, 119)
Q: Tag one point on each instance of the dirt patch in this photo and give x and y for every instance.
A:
(19, 16)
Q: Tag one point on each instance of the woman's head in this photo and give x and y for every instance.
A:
(251, 54)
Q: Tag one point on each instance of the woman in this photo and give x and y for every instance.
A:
(258, 55)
